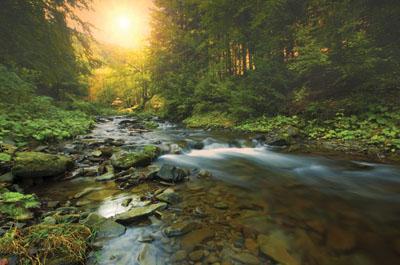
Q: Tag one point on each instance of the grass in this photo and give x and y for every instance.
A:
(40, 244)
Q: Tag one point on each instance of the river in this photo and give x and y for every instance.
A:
(308, 209)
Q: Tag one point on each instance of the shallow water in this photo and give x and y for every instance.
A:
(325, 211)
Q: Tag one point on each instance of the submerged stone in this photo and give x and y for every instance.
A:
(277, 246)
(148, 256)
(178, 229)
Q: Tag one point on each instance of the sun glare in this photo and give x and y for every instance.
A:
(124, 22)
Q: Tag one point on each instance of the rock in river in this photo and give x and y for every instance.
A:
(123, 160)
(277, 246)
(178, 229)
(105, 228)
(169, 196)
(137, 213)
(109, 175)
(36, 164)
(171, 173)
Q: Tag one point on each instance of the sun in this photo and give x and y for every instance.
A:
(124, 22)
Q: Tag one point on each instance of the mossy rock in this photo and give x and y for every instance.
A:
(37, 164)
(128, 160)
(152, 151)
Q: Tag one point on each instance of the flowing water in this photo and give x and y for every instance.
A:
(311, 209)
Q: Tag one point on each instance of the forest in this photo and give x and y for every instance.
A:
(262, 86)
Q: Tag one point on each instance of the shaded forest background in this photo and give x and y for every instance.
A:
(257, 57)
(328, 67)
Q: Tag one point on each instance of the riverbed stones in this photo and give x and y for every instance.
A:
(277, 246)
(246, 258)
(171, 173)
(251, 245)
(196, 237)
(179, 229)
(169, 195)
(340, 239)
(139, 212)
(36, 164)
(179, 256)
(196, 255)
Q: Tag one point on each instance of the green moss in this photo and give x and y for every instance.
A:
(128, 160)
(16, 205)
(378, 127)
(152, 151)
(5, 157)
(36, 164)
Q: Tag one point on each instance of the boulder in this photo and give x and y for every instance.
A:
(123, 160)
(171, 173)
(138, 213)
(169, 195)
(36, 164)
(105, 228)
(152, 151)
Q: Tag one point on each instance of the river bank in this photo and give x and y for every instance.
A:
(373, 136)
(215, 197)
